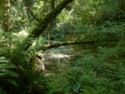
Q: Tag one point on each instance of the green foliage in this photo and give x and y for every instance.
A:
(98, 73)
(93, 12)
(4, 72)
(7, 76)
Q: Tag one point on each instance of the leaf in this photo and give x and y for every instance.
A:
(42, 40)
(13, 82)
(76, 87)
(3, 59)
(8, 73)
(7, 65)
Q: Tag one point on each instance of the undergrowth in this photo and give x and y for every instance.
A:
(98, 72)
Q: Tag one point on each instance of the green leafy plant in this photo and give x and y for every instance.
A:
(7, 75)
(97, 73)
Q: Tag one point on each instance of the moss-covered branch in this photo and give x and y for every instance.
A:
(90, 42)
(54, 45)
(29, 11)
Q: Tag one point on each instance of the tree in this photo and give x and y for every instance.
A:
(100, 59)
(18, 54)
(44, 23)
(5, 8)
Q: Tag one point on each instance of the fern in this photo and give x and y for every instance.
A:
(97, 73)
(5, 65)
(7, 76)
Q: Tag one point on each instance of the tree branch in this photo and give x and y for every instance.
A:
(29, 11)
(54, 45)
(90, 42)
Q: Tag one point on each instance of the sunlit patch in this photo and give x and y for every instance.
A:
(23, 33)
(59, 56)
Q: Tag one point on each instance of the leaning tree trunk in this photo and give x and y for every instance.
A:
(44, 23)
(19, 53)
(40, 28)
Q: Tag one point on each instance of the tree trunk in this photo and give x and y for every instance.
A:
(44, 23)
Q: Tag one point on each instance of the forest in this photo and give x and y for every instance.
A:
(62, 47)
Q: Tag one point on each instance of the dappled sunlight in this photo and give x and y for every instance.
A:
(59, 47)
(59, 56)
(22, 34)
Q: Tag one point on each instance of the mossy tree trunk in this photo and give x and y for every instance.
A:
(44, 23)
(19, 53)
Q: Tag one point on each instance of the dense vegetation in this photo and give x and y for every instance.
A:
(62, 47)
